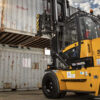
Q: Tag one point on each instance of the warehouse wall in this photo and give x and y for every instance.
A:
(22, 68)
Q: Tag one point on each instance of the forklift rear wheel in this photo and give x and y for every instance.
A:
(50, 86)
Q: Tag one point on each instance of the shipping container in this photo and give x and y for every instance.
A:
(18, 23)
(22, 69)
(19, 16)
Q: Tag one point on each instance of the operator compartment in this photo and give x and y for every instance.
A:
(82, 42)
(90, 35)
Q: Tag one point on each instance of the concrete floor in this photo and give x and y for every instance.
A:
(35, 95)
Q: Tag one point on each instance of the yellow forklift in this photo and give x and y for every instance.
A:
(75, 50)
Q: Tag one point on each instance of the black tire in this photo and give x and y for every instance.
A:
(50, 86)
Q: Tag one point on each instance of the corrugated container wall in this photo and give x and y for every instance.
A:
(22, 68)
(19, 16)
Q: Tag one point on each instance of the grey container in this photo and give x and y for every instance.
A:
(19, 16)
(22, 69)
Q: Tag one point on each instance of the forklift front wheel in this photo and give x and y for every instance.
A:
(50, 86)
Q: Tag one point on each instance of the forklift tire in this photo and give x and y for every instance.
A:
(50, 86)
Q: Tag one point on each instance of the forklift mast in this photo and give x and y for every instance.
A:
(53, 23)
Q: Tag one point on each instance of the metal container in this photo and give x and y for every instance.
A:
(22, 68)
(19, 16)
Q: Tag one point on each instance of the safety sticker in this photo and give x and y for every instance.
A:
(71, 74)
(98, 61)
(86, 73)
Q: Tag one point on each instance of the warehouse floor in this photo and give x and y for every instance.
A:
(34, 95)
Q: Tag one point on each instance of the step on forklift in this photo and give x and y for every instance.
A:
(75, 50)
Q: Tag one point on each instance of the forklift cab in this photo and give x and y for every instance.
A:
(81, 29)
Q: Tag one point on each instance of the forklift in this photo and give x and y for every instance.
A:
(75, 50)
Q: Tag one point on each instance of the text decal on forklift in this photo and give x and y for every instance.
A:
(71, 74)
